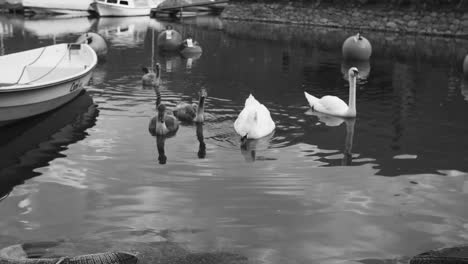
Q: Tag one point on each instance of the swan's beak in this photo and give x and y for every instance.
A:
(244, 138)
(244, 141)
(356, 73)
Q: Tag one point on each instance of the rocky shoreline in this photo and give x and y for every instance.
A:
(447, 23)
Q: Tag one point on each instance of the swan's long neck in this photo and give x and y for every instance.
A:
(352, 96)
(161, 128)
(161, 116)
(201, 106)
(158, 99)
(158, 72)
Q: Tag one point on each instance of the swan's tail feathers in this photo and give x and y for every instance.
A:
(250, 101)
(311, 99)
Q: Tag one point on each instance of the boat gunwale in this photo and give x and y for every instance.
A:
(44, 9)
(28, 87)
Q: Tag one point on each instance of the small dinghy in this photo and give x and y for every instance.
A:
(39, 80)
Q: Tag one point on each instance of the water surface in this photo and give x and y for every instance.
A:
(388, 185)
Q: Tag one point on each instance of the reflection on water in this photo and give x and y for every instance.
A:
(58, 26)
(33, 143)
(252, 147)
(363, 67)
(312, 192)
(201, 141)
(124, 31)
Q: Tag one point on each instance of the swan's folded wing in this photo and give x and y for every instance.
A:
(331, 105)
(243, 123)
(311, 99)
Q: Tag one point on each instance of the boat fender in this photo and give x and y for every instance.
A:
(96, 42)
(357, 47)
(189, 47)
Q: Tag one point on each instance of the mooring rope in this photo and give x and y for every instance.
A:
(24, 68)
(53, 68)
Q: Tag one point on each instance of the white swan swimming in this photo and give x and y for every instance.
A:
(254, 121)
(333, 105)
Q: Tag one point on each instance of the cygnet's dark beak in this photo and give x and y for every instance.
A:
(356, 72)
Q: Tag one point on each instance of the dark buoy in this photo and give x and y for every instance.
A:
(363, 67)
(190, 48)
(357, 47)
(96, 42)
(465, 66)
(169, 40)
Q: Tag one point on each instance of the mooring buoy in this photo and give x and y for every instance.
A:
(96, 42)
(357, 47)
(169, 40)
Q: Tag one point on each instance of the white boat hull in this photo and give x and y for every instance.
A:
(57, 95)
(47, 87)
(71, 7)
(105, 9)
(71, 12)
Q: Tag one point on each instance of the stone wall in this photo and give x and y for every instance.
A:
(378, 18)
(434, 49)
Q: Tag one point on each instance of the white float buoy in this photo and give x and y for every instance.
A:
(96, 42)
(465, 66)
(169, 40)
(190, 48)
(357, 47)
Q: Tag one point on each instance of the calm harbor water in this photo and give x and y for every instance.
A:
(390, 184)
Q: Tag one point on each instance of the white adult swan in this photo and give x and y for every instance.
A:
(254, 121)
(332, 105)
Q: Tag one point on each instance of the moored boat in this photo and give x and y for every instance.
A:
(123, 7)
(71, 7)
(39, 80)
(189, 8)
